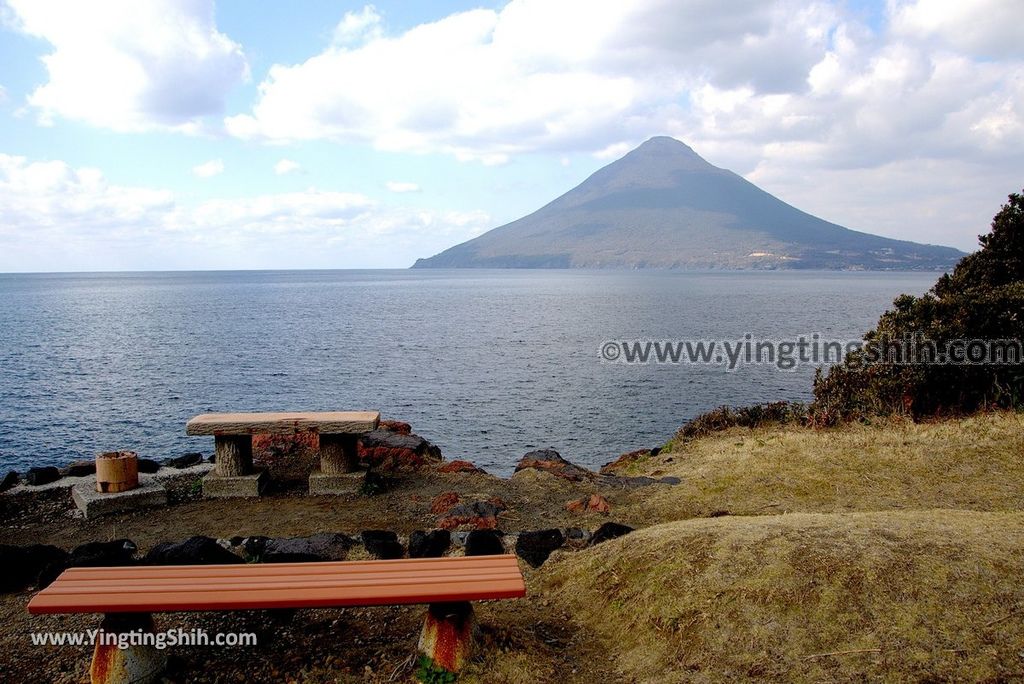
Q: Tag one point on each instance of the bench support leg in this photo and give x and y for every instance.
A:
(338, 454)
(137, 664)
(233, 474)
(234, 455)
(339, 466)
(447, 637)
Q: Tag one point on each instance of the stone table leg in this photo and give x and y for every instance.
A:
(233, 474)
(339, 466)
(233, 455)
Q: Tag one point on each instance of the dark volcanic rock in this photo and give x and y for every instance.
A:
(550, 461)
(374, 483)
(100, 554)
(253, 547)
(193, 551)
(22, 566)
(431, 544)
(382, 544)
(148, 465)
(608, 531)
(485, 543)
(535, 547)
(186, 461)
(324, 546)
(81, 468)
(41, 476)
(387, 450)
(10, 479)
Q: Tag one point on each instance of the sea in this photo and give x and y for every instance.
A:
(486, 364)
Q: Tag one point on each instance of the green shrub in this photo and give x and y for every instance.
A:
(758, 415)
(983, 299)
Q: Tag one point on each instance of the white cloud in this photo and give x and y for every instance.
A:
(132, 66)
(483, 85)
(214, 167)
(980, 27)
(792, 89)
(51, 203)
(286, 166)
(358, 27)
(399, 186)
(55, 217)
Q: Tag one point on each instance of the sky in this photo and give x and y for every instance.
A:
(193, 134)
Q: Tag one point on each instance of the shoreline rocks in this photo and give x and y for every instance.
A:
(550, 461)
(42, 475)
(535, 547)
(388, 450)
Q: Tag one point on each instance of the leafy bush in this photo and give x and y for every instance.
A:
(725, 417)
(983, 298)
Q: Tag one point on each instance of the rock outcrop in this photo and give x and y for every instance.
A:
(387, 450)
(196, 550)
(550, 461)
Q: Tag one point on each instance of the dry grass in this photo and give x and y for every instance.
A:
(893, 596)
(974, 463)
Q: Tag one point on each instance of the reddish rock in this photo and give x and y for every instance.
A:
(386, 450)
(289, 458)
(595, 503)
(624, 460)
(395, 426)
(479, 515)
(549, 460)
(460, 467)
(443, 502)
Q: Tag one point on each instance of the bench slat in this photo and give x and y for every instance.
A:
(102, 590)
(243, 584)
(283, 423)
(402, 565)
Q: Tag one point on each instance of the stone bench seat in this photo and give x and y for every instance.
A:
(234, 475)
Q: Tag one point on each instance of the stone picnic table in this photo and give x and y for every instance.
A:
(234, 475)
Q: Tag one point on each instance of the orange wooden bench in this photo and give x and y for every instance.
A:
(129, 595)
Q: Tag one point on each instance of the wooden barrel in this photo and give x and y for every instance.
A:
(117, 471)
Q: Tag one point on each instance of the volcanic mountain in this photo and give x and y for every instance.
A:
(663, 206)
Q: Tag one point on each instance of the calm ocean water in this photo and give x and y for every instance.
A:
(486, 364)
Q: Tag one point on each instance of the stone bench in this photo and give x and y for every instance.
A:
(233, 473)
(128, 596)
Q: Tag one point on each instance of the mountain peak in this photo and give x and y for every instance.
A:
(665, 144)
(662, 205)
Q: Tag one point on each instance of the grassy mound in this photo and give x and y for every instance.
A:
(974, 463)
(924, 595)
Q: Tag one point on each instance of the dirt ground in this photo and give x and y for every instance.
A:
(523, 640)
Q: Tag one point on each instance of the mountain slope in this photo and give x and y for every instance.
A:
(663, 206)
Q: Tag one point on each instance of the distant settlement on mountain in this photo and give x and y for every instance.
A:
(663, 206)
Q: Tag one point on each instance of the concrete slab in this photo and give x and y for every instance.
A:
(328, 484)
(150, 493)
(71, 481)
(234, 486)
